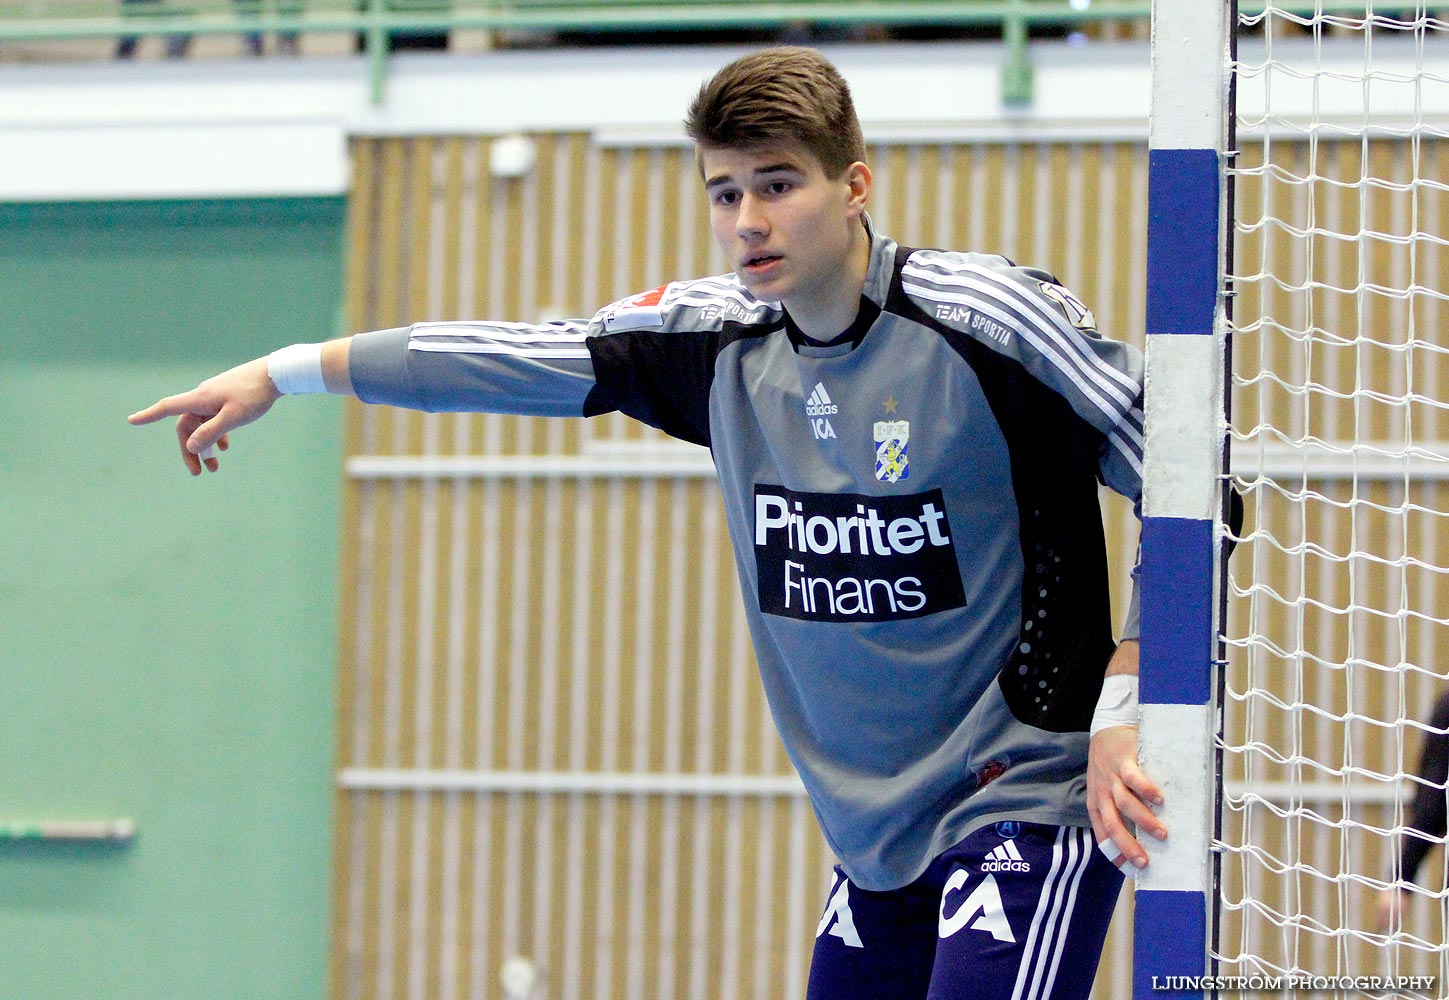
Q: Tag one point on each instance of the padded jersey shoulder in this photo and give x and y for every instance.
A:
(696, 305)
(654, 354)
(983, 294)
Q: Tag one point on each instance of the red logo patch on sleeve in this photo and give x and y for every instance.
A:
(650, 298)
(638, 312)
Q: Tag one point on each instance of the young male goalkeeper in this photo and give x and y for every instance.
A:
(909, 444)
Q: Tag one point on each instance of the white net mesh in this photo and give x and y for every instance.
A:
(1338, 594)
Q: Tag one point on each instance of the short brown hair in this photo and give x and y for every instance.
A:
(784, 94)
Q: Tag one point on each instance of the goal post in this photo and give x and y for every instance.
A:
(1182, 484)
(1298, 348)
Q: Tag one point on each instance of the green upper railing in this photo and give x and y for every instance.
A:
(378, 21)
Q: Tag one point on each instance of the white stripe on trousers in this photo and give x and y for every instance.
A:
(1038, 969)
(1084, 850)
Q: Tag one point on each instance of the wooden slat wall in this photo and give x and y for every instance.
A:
(1343, 280)
(520, 624)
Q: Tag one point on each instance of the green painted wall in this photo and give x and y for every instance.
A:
(166, 643)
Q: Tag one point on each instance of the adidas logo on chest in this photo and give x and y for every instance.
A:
(819, 409)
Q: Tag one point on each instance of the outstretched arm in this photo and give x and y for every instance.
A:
(1118, 792)
(236, 397)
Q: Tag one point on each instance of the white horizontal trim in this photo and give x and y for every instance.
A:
(541, 349)
(1183, 406)
(570, 782)
(1383, 461)
(1326, 83)
(1283, 792)
(646, 450)
(68, 829)
(621, 465)
(71, 162)
(644, 92)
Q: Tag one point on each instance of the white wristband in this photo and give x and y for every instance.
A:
(297, 369)
(1117, 705)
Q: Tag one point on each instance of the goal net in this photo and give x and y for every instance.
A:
(1336, 600)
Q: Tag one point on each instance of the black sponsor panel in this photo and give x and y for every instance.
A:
(844, 557)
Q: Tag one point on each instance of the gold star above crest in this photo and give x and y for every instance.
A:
(891, 404)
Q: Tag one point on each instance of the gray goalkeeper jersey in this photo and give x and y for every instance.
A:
(913, 509)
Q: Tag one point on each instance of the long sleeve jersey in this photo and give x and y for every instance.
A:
(913, 510)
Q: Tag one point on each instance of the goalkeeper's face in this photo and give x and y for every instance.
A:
(792, 232)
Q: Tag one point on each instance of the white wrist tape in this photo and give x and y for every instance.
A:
(1117, 705)
(296, 369)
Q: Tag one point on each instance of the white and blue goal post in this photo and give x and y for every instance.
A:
(1187, 244)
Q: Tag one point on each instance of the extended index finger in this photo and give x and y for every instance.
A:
(170, 406)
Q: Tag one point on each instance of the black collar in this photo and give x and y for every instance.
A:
(865, 317)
